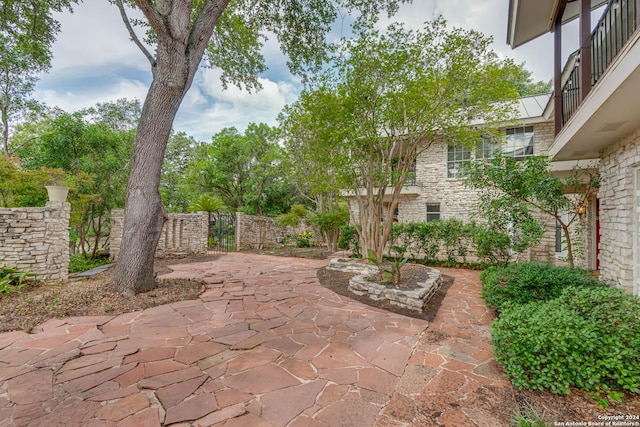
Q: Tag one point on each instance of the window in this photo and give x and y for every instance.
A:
(486, 149)
(519, 142)
(558, 237)
(433, 211)
(456, 155)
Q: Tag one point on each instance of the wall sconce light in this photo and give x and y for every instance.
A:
(582, 209)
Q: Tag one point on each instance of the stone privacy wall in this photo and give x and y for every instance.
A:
(36, 239)
(620, 213)
(261, 232)
(182, 234)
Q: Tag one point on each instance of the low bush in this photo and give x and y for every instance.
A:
(521, 283)
(349, 239)
(586, 338)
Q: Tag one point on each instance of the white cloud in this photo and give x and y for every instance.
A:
(70, 100)
(231, 107)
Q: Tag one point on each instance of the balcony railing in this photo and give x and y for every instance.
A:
(614, 29)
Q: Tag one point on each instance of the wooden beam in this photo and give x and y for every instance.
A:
(585, 48)
(557, 75)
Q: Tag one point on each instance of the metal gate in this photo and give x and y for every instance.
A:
(222, 233)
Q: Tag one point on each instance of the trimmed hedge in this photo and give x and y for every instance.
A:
(588, 337)
(521, 283)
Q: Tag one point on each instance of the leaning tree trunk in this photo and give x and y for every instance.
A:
(144, 213)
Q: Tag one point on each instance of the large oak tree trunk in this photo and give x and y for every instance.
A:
(144, 212)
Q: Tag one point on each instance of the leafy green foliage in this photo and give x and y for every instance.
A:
(457, 240)
(303, 239)
(511, 188)
(522, 283)
(294, 216)
(586, 338)
(241, 170)
(90, 150)
(27, 33)
(176, 192)
(79, 262)
(12, 280)
(392, 94)
(206, 204)
(350, 239)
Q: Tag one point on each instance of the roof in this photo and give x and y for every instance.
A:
(530, 107)
(529, 19)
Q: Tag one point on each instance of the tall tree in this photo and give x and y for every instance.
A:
(393, 95)
(27, 33)
(231, 34)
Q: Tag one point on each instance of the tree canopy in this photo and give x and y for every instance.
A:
(231, 34)
(391, 95)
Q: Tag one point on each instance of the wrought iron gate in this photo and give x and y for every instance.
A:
(222, 233)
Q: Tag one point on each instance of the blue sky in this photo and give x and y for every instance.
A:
(94, 61)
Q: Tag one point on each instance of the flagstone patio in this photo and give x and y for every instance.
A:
(265, 345)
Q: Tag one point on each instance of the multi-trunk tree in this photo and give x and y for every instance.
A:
(230, 34)
(391, 96)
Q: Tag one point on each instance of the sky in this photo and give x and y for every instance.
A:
(94, 61)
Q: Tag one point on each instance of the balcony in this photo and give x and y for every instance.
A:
(609, 111)
(611, 34)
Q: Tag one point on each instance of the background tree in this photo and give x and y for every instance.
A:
(231, 34)
(392, 96)
(93, 148)
(27, 33)
(511, 188)
(313, 165)
(527, 86)
(176, 194)
(243, 170)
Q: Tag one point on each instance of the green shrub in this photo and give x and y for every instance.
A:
(349, 239)
(521, 283)
(586, 338)
(78, 263)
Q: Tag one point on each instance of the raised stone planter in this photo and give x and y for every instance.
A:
(412, 299)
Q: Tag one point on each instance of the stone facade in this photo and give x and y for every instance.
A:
(261, 232)
(620, 213)
(36, 239)
(456, 200)
(182, 234)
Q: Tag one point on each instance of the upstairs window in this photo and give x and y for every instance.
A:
(456, 155)
(487, 149)
(519, 142)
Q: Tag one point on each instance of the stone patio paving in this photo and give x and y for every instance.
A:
(265, 345)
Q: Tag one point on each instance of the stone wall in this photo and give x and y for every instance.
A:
(620, 213)
(182, 234)
(36, 239)
(261, 232)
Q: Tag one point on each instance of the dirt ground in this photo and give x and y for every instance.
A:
(87, 297)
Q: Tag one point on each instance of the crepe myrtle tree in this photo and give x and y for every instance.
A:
(510, 186)
(392, 95)
(230, 35)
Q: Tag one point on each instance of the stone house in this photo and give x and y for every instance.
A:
(596, 114)
(438, 192)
